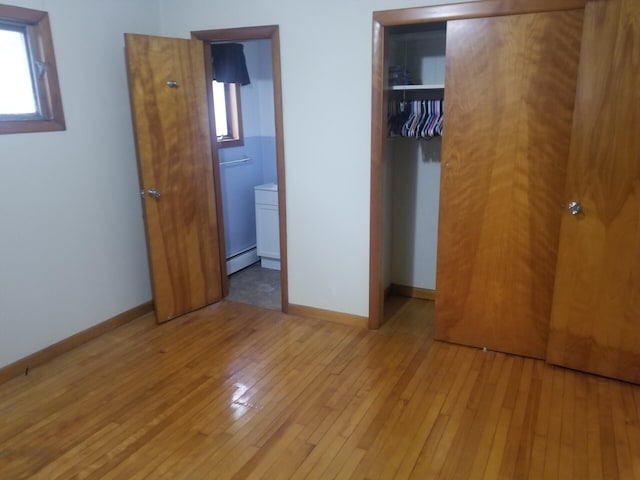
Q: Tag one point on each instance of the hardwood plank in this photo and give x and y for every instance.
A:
(508, 433)
(620, 420)
(524, 460)
(554, 432)
(350, 466)
(607, 433)
(420, 408)
(440, 358)
(593, 430)
(581, 431)
(471, 444)
(351, 417)
(448, 418)
(236, 391)
(246, 430)
(567, 447)
(633, 429)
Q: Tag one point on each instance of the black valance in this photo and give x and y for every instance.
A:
(229, 65)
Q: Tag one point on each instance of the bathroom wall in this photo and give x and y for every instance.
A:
(238, 180)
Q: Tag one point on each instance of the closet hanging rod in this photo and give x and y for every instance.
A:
(235, 162)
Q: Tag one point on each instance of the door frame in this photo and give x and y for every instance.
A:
(266, 32)
(411, 16)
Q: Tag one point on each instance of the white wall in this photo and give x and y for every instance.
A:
(415, 169)
(72, 249)
(326, 80)
(415, 201)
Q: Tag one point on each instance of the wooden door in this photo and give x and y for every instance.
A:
(509, 96)
(595, 321)
(175, 159)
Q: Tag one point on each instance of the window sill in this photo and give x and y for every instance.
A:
(238, 142)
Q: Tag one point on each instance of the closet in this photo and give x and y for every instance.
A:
(414, 126)
(538, 249)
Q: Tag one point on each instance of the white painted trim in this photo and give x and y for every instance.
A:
(272, 263)
(242, 260)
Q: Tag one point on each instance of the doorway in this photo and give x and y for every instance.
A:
(405, 169)
(250, 179)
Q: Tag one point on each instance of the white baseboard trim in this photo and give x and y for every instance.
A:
(270, 263)
(242, 260)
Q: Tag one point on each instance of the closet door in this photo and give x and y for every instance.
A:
(510, 86)
(595, 321)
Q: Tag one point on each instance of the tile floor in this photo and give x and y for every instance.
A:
(255, 285)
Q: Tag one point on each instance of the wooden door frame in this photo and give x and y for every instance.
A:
(411, 16)
(267, 32)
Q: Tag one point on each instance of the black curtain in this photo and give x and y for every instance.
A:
(229, 65)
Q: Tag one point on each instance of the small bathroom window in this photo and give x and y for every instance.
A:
(227, 112)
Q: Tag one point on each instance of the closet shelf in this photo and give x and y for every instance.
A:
(433, 86)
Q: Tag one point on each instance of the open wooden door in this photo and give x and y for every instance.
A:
(173, 141)
(509, 97)
(595, 321)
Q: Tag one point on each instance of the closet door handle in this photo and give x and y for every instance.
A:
(153, 193)
(574, 208)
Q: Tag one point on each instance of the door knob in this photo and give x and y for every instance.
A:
(574, 208)
(153, 193)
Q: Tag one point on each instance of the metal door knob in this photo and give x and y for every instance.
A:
(574, 208)
(153, 193)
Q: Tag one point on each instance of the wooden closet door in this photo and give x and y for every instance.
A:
(595, 321)
(509, 96)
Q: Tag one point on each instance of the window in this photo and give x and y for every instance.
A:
(228, 117)
(29, 90)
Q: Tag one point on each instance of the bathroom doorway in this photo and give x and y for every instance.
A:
(249, 175)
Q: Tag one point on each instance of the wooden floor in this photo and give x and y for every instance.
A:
(233, 391)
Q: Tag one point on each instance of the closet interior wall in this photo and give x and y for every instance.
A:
(412, 165)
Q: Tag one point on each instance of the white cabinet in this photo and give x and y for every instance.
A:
(268, 225)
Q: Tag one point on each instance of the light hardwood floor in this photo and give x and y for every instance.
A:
(234, 391)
